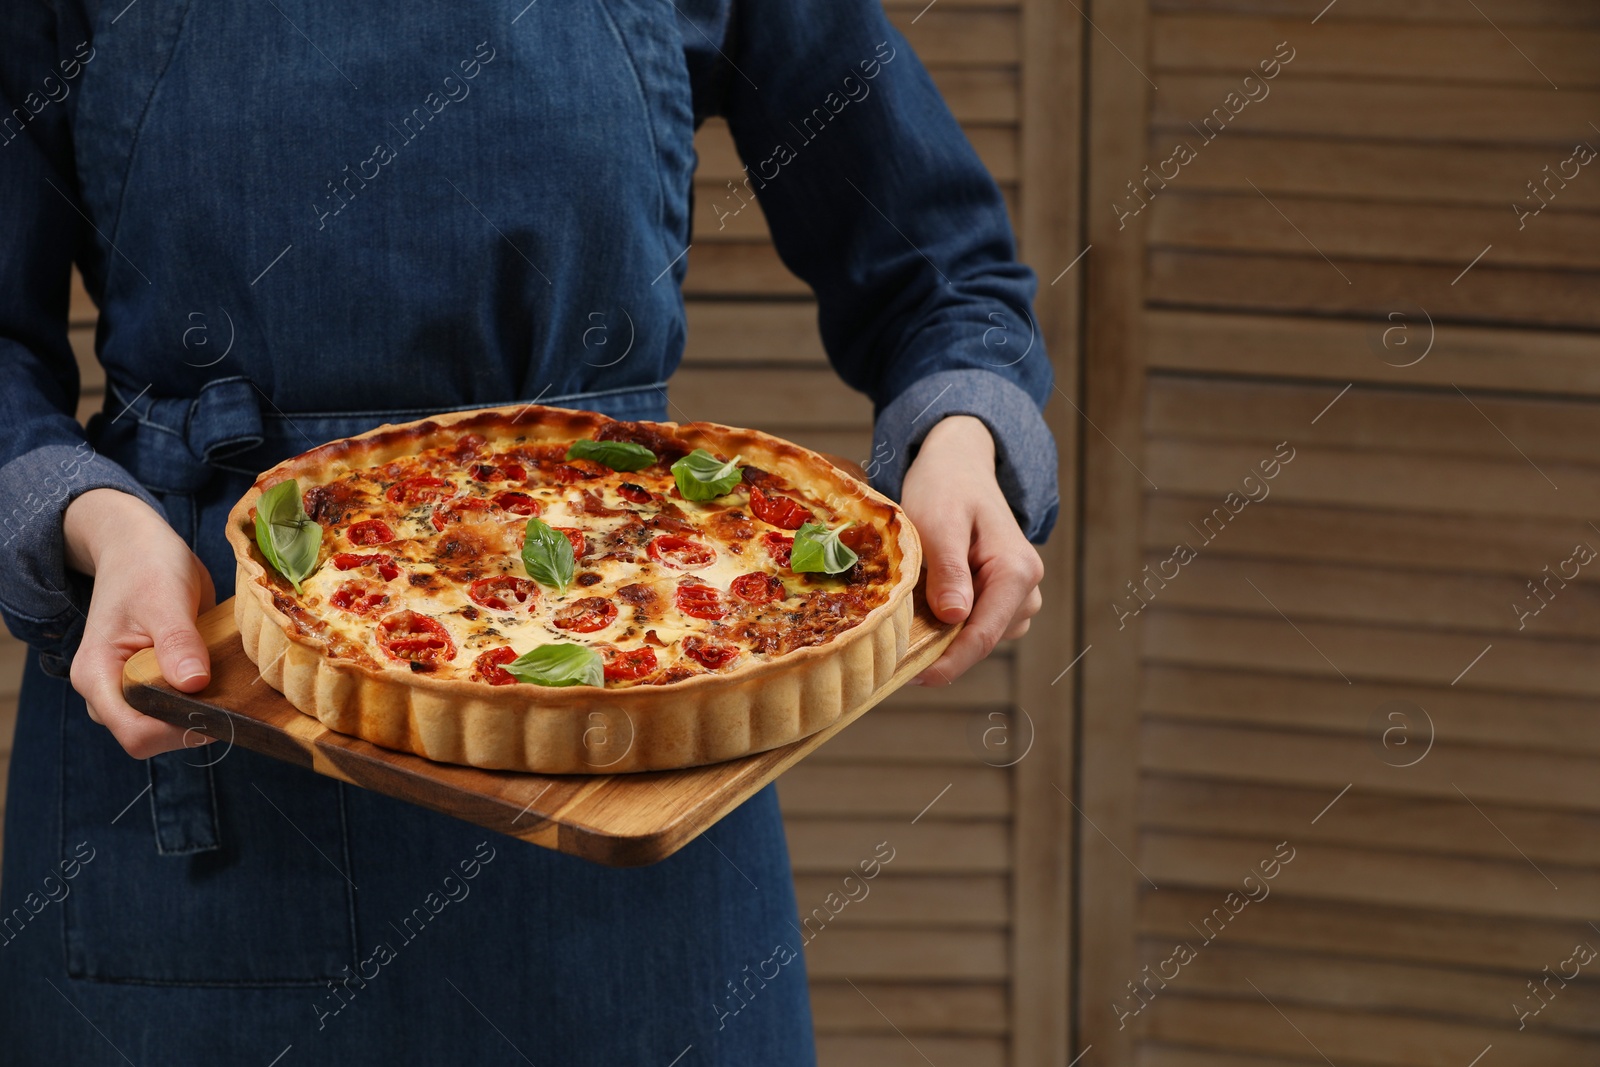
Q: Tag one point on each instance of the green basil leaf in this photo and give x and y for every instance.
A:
(817, 548)
(702, 476)
(561, 663)
(287, 537)
(547, 554)
(618, 455)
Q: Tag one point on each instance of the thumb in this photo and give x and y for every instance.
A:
(180, 652)
(946, 546)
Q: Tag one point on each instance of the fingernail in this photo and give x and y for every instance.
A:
(952, 602)
(189, 670)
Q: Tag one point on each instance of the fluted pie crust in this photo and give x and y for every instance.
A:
(752, 706)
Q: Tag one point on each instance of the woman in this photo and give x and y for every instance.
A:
(370, 216)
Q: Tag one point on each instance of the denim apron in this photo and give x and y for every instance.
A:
(216, 906)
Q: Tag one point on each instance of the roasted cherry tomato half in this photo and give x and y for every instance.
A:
(455, 510)
(346, 561)
(713, 655)
(490, 666)
(699, 600)
(587, 615)
(778, 546)
(580, 545)
(419, 490)
(369, 532)
(636, 493)
(504, 472)
(780, 511)
(414, 638)
(517, 504)
(358, 597)
(681, 552)
(503, 590)
(627, 665)
(757, 588)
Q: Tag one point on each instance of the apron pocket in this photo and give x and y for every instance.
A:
(211, 866)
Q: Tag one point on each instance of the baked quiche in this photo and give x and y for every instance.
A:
(550, 590)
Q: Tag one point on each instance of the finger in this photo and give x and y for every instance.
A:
(97, 675)
(185, 663)
(946, 546)
(1004, 583)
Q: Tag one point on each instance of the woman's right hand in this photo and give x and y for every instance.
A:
(148, 589)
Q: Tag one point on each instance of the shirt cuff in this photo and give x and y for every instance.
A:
(41, 601)
(1025, 451)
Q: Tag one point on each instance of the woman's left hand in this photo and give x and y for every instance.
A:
(980, 566)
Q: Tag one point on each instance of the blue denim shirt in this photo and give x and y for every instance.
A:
(294, 212)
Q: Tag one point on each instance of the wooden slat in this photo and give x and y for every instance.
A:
(1371, 109)
(926, 902)
(1488, 294)
(1425, 825)
(812, 398)
(1120, 96)
(832, 846)
(1473, 53)
(880, 1007)
(1341, 352)
(862, 1051)
(1474, 996)
(747, 268)
(891, 736)
(1376, 877)
(1413, 421)
(1374, 653)
(1250, 697)
(1363, 931)
(954, 37)
(1508, 12)
(1492, 606)
(1303, 759)
(745, 333)
(1470, 544)
(1349, 1037)
(1345, 229)
(1491, 175)
(1382, 480)
(880, 791)
(901, 955)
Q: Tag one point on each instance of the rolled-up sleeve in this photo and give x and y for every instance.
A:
(877, 200)
(45, 459)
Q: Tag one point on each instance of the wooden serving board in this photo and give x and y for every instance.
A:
(621, 820)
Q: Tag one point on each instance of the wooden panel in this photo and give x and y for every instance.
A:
(1488, 294)
(951, 36)
(1370, 109)
(932, 846)
(1508, 12)
(1378, 986)
(878, 1007)
(929, 903)
(1329, 705)
(898, 955)
(853, 1051)
(1490, 175)
(1367, 932)
(811, 398)
(1401, 232)
(1472, 52)
(1469, 356)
